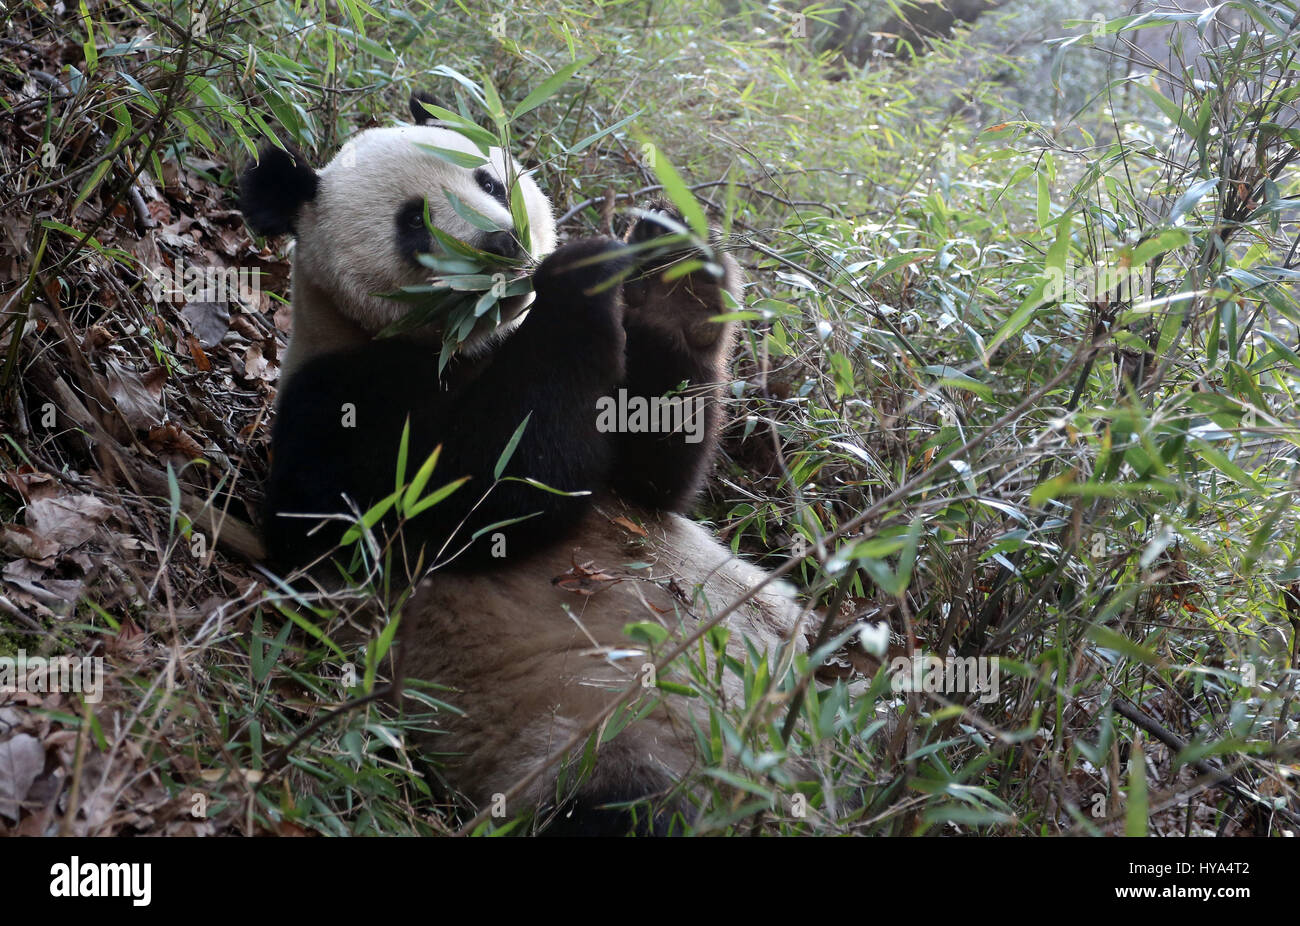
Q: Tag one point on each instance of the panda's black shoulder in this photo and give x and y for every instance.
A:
(354, 402)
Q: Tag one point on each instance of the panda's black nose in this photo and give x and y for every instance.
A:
(502, 244)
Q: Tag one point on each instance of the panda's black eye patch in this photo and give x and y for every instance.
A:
(411, 236)
(491, 186)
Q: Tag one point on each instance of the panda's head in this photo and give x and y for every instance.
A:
(358, 225)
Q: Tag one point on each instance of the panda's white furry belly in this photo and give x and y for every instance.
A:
(534, 652)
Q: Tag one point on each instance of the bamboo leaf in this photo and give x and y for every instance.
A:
(451, 156)
(429, 501)
(506, 454)
(414, 490)
(676, 191)
(548, 88)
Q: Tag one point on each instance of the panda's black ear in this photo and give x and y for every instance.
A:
(421, 115)
(273, 190)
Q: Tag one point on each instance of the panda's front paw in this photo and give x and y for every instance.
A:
(592, 268)
(682, 302)
(660, 219)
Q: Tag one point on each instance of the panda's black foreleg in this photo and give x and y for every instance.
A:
(567, 353)
(676, 366)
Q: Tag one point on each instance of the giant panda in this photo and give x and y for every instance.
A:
(532, 644)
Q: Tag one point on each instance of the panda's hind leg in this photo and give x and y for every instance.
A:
(623, 797)
(674, 351)
(615, 813)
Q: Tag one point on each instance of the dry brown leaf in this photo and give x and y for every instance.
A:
(283, 318)
(200, 358)
(68, 520)
(138, 398)
(54, 596)
(256, 366)
(245, 326)
(18, 540)
(169, 438)
(171, 178)
(630, 526)
(584, 579)
(31, 484)
(130, 640)
(208, 320)
(97, 338)
(22, 758)
(160, 210)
